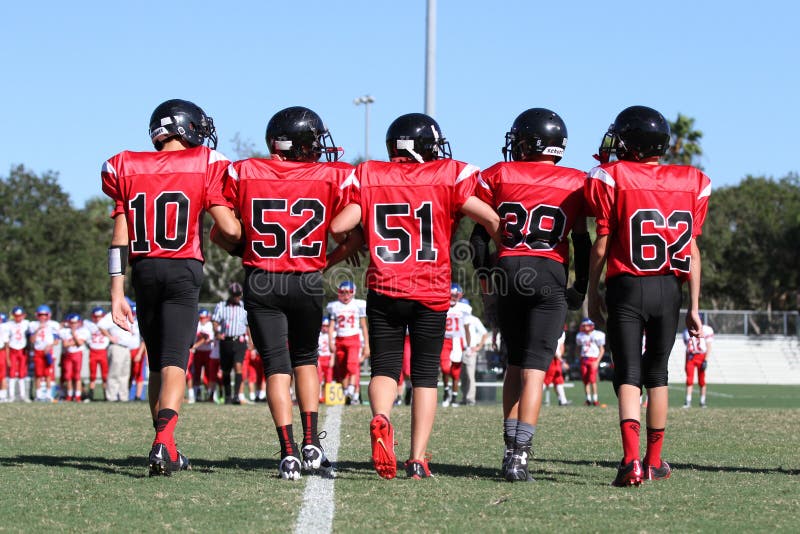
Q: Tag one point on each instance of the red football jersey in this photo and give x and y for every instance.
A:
(286, 208)
(652, 213)
(408, 211)
(163, 196)
(538, 204)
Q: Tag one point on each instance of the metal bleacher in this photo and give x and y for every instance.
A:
(741, 359)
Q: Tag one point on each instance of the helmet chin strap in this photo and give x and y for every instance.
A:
(416, 156)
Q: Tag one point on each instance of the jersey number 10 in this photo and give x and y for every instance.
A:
(166, 238)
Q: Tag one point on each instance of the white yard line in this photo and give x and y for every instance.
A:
(316, 514)
(709, 393)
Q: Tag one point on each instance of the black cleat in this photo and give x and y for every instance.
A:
(517, 470)
(506, 460)
(161, 464)
(183, 462)
(314, 459)
(630, 474)
(657, 473)
(289, 468)
(418, 469)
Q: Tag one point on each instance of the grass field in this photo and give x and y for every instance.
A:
(82, 468)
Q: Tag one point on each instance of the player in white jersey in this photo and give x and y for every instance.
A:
(43, 335)
(18, 354)
(98, 353)
(3, 358)
(348, 321)
(592, 345)
(325, 361)
(73, 339)
(698, 349)
(456, 340)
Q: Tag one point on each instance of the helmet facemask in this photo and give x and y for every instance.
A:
(608, 146)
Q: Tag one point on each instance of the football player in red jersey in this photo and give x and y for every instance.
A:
(648, 216)
(159, 198)
(407, 208)
(539, 204)
(286, 204)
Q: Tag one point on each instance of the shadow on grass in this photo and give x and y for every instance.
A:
(132, 466)
(136, 467)
(679, 466)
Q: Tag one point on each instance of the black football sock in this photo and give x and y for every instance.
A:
(286, 437)
(237, 383)
(310, 428)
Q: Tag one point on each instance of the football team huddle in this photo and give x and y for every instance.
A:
(278, 213)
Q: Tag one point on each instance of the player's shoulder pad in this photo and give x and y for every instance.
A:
(215, 156)
(601, 174)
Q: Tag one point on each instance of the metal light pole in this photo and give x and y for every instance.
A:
(366, 100)
(430, 59)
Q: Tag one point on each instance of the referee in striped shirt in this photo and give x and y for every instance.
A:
(230, 323)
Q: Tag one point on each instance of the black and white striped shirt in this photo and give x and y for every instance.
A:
(232, 318)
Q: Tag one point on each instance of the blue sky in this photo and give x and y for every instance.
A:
(81, 78)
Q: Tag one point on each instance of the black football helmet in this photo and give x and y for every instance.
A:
(537, 131)
(184, 119)
(416, 136)
(638, 132)
(298, 134)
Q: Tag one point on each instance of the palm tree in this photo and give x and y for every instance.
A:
(684, 143)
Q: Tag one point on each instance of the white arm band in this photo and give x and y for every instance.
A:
(117, 260)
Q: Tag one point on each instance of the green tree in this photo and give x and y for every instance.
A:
(749, 245)
(684, 146)
(50, 250)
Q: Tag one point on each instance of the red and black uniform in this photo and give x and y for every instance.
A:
(651, 213)
(286, 208)
(163, 196)
(408, 214)
(538, 204)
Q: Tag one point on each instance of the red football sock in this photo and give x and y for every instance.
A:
(165, 426)
(655, 439)
(630, 439)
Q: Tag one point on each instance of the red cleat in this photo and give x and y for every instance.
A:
(629, 474)
(383, 457)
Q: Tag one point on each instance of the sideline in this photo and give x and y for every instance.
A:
(316, 513)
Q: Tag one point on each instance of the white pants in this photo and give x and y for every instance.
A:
(468, 365)
(119, 372)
